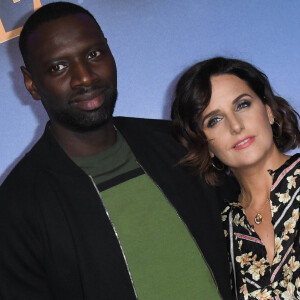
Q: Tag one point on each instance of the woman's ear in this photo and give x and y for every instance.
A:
(270, 114)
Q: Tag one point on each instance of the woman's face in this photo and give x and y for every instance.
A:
(237, 123)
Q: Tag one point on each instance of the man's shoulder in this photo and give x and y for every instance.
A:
(23, 173)
(150, 138)
(139, 130)
(144, 128)
(26, 170)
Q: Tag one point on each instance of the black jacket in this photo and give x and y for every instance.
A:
(56, 241)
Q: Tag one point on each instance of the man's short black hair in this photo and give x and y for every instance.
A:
(46, 13)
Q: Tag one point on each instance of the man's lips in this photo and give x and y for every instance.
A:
(89, 102)
(244, 143)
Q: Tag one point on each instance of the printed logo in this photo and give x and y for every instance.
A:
(7, 35)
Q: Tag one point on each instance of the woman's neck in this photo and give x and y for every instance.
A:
(256, 181)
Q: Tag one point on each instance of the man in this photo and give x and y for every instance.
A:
(98, 208)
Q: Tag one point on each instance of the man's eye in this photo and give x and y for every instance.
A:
(57, 68)
(243, 104)
(94, 54)
(213, 121)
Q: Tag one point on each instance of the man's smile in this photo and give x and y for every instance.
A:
(90, 100)
(89, 104)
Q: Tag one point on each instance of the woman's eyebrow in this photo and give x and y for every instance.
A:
(239, 97)
(216, 111)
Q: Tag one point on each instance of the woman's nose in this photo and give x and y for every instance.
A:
(236, 124)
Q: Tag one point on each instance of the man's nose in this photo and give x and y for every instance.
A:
(82, 75)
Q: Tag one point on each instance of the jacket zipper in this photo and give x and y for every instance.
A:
(116, 234)
(211, 272)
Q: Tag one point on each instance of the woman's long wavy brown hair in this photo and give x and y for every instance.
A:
(193, 93)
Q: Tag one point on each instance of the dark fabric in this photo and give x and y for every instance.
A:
(56, 241)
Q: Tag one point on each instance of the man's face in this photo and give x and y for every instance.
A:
(73, 72)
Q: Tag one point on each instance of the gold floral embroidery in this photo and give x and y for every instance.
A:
(297, 172)
(289, 293)
(294, 264)
(240, 244)
(257, 269)
(245, 259)
(289, 226)
(262, 295)
(284, 198)
(297, 283)
(291, 182)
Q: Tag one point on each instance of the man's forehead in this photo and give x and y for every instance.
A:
(65, 37)
(63, 26)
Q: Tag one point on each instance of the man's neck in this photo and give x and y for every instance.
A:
(77, 144)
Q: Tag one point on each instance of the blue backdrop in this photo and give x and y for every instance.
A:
(153, 41)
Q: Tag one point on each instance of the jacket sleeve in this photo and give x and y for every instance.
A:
(22, 274)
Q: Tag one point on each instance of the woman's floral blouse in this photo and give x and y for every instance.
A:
(252, 275)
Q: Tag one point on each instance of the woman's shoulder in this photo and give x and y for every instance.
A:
(287, 174)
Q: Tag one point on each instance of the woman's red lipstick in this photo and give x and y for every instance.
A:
(244, 143)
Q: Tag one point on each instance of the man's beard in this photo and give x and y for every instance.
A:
(84, 121)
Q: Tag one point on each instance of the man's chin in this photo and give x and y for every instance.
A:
(86, 121)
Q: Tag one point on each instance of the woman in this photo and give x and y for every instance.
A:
(228, 117)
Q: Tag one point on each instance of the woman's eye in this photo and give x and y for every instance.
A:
(213, 121)
(94, 54)
(242, 105)
(57, 68)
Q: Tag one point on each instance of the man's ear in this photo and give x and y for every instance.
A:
(270, 114)
(30, 85)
